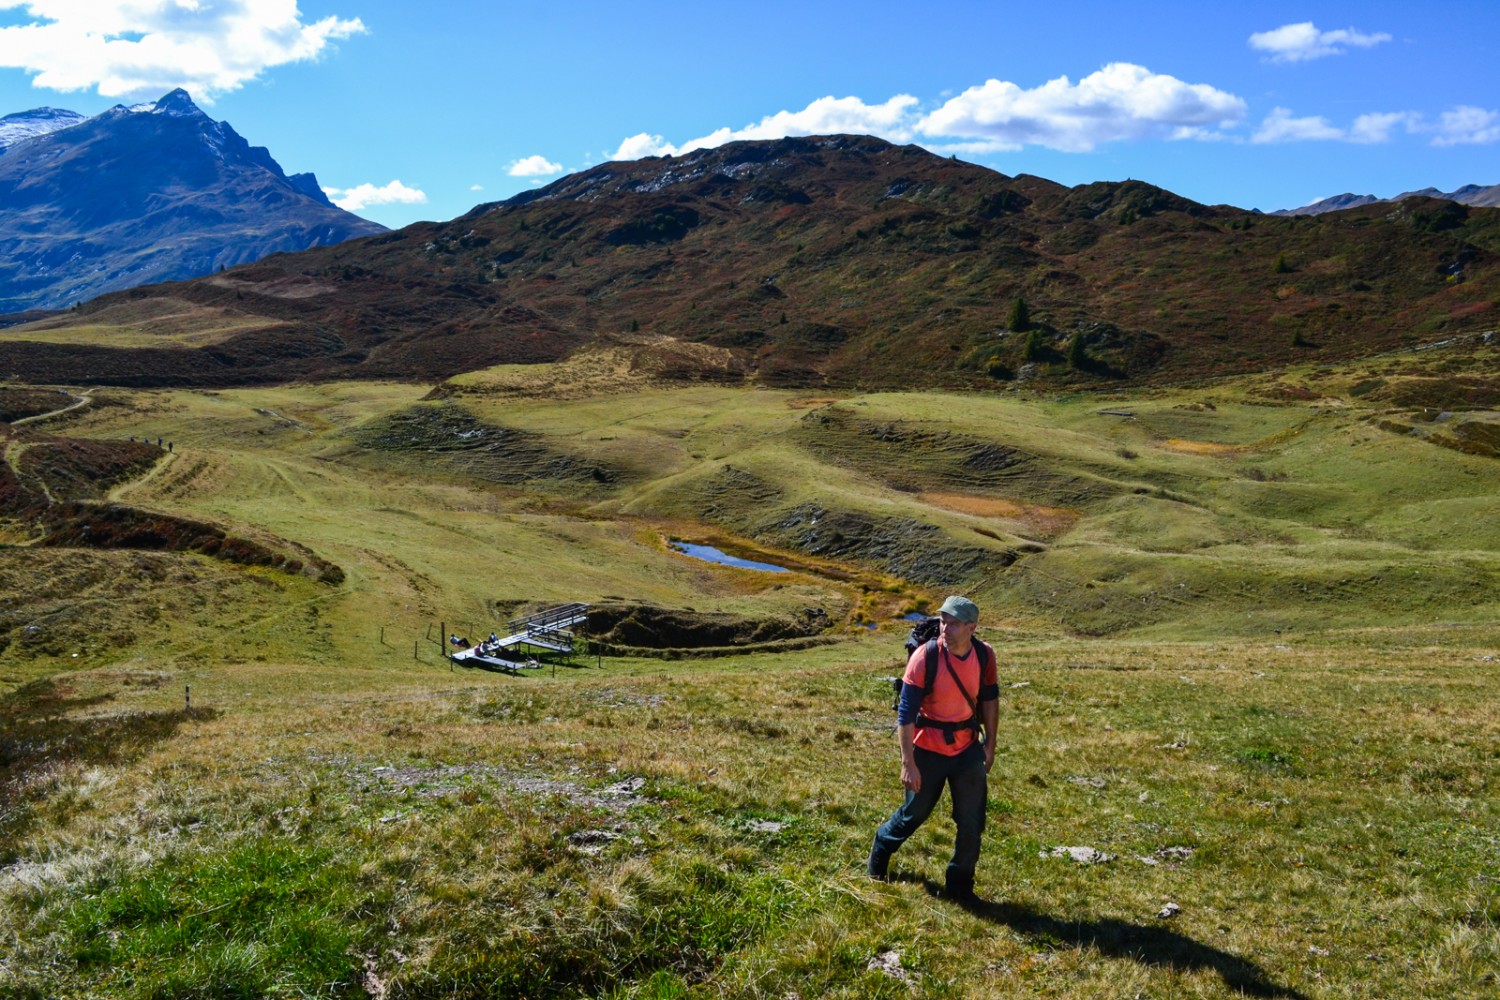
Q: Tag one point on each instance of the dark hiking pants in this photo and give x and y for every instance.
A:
(964, 775)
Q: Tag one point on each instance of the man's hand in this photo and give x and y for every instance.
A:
(910, 776)
(989, 755)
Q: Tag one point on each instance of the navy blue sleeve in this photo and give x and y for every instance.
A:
(911, 705)
(989, 671)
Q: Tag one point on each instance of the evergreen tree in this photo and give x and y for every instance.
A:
(1033, 349)
(1020, 316)
(1077, 356)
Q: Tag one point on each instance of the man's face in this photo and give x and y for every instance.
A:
(956, 632)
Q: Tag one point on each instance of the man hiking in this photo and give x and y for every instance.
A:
(950, 692)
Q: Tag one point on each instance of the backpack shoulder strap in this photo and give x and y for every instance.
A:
(932, 663)
(986, 658)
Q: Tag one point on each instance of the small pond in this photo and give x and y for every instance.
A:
(710, 554)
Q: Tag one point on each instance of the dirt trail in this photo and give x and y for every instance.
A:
(13, 452)
(131, 485)
(79, 401)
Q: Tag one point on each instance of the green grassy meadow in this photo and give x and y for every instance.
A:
(1248, 633)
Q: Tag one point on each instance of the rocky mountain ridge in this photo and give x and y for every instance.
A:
(154, 192)
(1469, 194)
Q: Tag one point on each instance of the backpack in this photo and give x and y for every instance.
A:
(926, 633)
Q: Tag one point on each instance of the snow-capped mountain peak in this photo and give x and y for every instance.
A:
(25, 125)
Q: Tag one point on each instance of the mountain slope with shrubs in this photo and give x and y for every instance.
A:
(836, 260)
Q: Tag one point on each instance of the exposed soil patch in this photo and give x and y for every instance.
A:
(901, 546)
(1470, 433)
(642, 629)
(915, 458)
(452, 436)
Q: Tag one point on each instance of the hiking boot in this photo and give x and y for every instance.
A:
(879, 865)
(960, 889)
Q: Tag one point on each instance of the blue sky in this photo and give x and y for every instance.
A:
(1262, 105)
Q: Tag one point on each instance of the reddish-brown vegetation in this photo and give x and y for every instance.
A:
(831, 260)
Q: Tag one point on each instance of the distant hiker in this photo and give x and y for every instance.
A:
(158, 442)
(169, 446)
(951, 692)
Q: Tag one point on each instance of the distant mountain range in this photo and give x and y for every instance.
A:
(154, 192)
(814, 261)
(1469, 194)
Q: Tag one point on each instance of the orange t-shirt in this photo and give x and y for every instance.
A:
(946, 703)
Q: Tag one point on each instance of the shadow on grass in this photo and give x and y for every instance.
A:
(38, 737)
(1145, 944)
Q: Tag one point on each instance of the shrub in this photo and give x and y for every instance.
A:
(1020, 316)
(998, 370)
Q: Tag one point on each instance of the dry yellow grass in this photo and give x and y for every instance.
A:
(1184, 447)
(1039, 518)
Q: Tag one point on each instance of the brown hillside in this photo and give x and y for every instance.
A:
(841, 260)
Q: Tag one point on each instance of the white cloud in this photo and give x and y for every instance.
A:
(363, 196)
(1121, 101)
(1464, 125)
(1467, 125)
(1377, 127)
(982, 147)
(642, 145)
(534, 166)
(1301, 42)
(827, 115)
(476, 187)
(148, 47)
(1280, 126)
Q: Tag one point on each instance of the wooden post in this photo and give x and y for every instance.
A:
(414, 649)
(382, 635)
(187, 698)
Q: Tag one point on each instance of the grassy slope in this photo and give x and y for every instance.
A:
(336, 819)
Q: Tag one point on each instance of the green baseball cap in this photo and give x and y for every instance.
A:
(961, 608)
